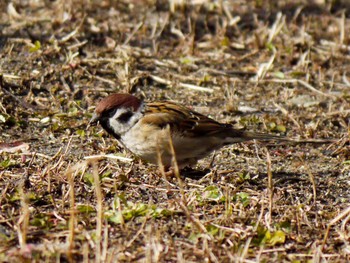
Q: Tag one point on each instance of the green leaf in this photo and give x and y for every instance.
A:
(55, 126)
(186, 60)
(297, 74)
(36, 47)
(281, 128)
(244, 198)
(276, 127)
(107, 174)
(122, 198)
(42, 221)
(134, 210)
(116, 218)
(73, 111)
(85, 208)
(213, 193)
(272, 125)
(212, 230)
(279, 75)
(88, 178)
(7, 163)
(81, 133)
(270, 46)
(29, 195)
(264, 236)
(286, 226)
(2, 118)
(278, 237)
(225, 42)
(243, 176)
(194, 237)
(206, 78)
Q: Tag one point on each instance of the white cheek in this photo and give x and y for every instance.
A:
(118, 127)
(136, 117)
(122, 127)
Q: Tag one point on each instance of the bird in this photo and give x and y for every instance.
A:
(161, 130)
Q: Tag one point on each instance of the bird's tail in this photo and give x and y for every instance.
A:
(247, 136)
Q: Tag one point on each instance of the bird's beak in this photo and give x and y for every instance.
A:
(94, 120)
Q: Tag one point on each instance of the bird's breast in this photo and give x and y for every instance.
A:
(149, 142)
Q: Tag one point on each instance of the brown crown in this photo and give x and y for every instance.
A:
(118, 100)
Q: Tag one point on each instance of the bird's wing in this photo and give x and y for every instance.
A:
(183, 120)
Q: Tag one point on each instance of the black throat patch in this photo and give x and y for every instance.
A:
(105, 125)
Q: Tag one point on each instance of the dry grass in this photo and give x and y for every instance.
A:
(273, 66)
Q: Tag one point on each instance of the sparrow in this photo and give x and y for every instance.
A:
(154, 131)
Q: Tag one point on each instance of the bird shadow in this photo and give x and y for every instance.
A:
(279, 177)
(195, 174)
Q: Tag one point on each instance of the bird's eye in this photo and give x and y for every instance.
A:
(125, 117)
(110, 113)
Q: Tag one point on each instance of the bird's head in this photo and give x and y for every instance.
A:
(117, 113)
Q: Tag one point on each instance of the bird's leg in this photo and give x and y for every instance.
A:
(169, 172)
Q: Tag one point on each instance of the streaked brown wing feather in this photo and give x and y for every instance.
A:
(183, 120)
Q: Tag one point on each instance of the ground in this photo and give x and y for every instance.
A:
(279, 67)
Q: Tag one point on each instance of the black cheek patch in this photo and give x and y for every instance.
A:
(125, 117)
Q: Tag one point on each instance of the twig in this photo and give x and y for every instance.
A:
(77, 45)
(73, 33)
(328, 43)
(8, 76)
(344, 213)
(72, 219)
(276, 27)
(269, 184)
(107, 156)
(308, 86)
(285, 112)
(160, 80)
(312, 179)
(21, 102)
(23, 222)
(137, 234)
(195, 87)
(176, 167)
(182, 85)
(137, 28)
(232, 20)
(298, 81)
(102, 60)
(340, 112)
(98, 77)
(99, 209)
(192, 218)
(265, 67)
(345, 80)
